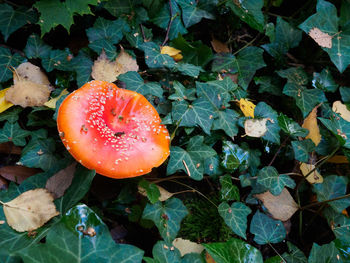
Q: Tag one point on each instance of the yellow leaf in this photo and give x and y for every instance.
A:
(341, 109)
(52, 103)
(186, 246)
(172, 52)
(30, 210)
(255, 127)
(314, 177)
(310, 123)
(4, 104)
(247, 107)
(338, 159)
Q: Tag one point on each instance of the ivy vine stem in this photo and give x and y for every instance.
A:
(277, 253)
(170, 23)
(324, 202)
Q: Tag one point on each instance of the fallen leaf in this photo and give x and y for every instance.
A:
(10, 148)
(17, 173)
(315, 177)
(172, 52)
(58, 183)
(3, 184)
(104, 69)
(31, 86)
(310, 123)
(321, 38)
(341, 109)
(30, 210)
(247, 107)
(186, 246)
(164, 194)
(255, 127)
(219, 47)
(4, 104)
(281, 207)
(52, 103)
(338, 159)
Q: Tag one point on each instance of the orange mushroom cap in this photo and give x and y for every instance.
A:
(114, 131)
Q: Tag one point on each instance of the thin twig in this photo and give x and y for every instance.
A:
(143, 33)
(246, 45)
(325, 202)
(170, 23)
(277, 253)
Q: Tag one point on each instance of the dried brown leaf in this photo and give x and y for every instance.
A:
(255, 127)
(186, 246)
(321, 38)
(341, 109)
(281, 207)
(219, 47)
(310, 123)
(30, 210)
(17, 173)
(30, 72)
(10, 148)
(58, 183)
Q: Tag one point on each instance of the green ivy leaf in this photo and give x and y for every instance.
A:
(302, 149)
(57, 59)
(36, 48)
(291, 127)
(64, 243)
(339, 223)
(80, 7)
(7, 60)
(234, 157)
(324, 81)
(249, 11)
(235, 216)
(191, 14)
(295, 255)
(154, 59)
(119, 7)
(166, 216)
(134, 82)
(327, 253)
(332, 187)
(13, 19)
(11, 115)
(242, 251)
(152, 190)
(340, 128)
(266, 229)
(269, 177)
(188, 69)
(12, 132)
(193, 258)
(163, 254)
(262, 110)
(326, 20)
(269, 84)
(345, 94)
(228, 190)
(182, 93)
(82, 65)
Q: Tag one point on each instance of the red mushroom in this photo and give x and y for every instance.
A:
(114, 131)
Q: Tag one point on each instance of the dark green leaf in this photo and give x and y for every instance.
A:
(228, 191)
(324, 81)
(262, 110)
(82, 65)
(36, 48)
(12, 132)
(188, 69)
(269, 84)
(269, 177)
(191, 14)
(266, 229)
(339, 223)
(163, 254)
(340, 128)
(57, 59)
(182, 93)
(327, 253)
(154, 59)
(7, 60)
(119, 7)
(234, 157)
(151, 189)
(345, 94)
(295, 255)
(11, 115)
(291, 127)
(302, 149)
(235, 217)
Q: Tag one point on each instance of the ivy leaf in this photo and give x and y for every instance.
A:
(11, 20)
(234, 157)
(188, 69)
(249, 11)
(332, 187)
(326, 20)
(295, 255)
(36, 48)
(82, 65)
(134, 82)
(266, 229)
(199, 113)
(324, 254)
(80, 7)
(151, 189)
(64, 244)
(105, 34)
(191, 14)
(262, 110)
(235, 217)
(269, 84)
(340, 128)
(118, 7)
(222, 252)
(302, 149)
(57, 59)
(339, 223)
(291, 127)
(269, 177)
(345, 94)
(182, 93)
(163, 254)
(11, 115)
(7, 60)
(324, 81)
(227, 121)
(228, 191)
(12, 132)
(166, 216)
(154, 59)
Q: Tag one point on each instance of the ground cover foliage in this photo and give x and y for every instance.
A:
(255, 96)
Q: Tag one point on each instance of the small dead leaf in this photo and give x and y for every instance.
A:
(17, 173)
(219, 47)
(255, 127)
(321, 38)
(30, 210)
(172, 52)
(281, 207)
(247, 107)
(345, 213)
(104, 69)
(341, 109)
(4, 104)
(186, 246)
(58, 183)
(164, 194)
(52, 102)
(10, 148)
(310, 123)
(338, 159)
(209, 258)
(315, 177)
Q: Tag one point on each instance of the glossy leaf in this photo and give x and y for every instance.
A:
(7, 60)
(325, 253)
(228, 190)
(324, 81)
(291, 127)
(234, 157)
(154, 59)
(302, 149)
(340, 128)
(57, 59)
(151, 189)
(269, 177)
(164, 253)
(191, 14)
(12, 132)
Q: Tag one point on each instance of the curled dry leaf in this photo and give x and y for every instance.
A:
(310, 123)
(255, 127)
(164, 194)
(341, 109)
(17, 173)
(30, 210)
(58, 183)
(247, 107)
(186, 246)
(31, 86)
(4, 104)
(321, 38)
(172, 52)
(281, 207)
(315, 177)
(106, 70)
(219, 47)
